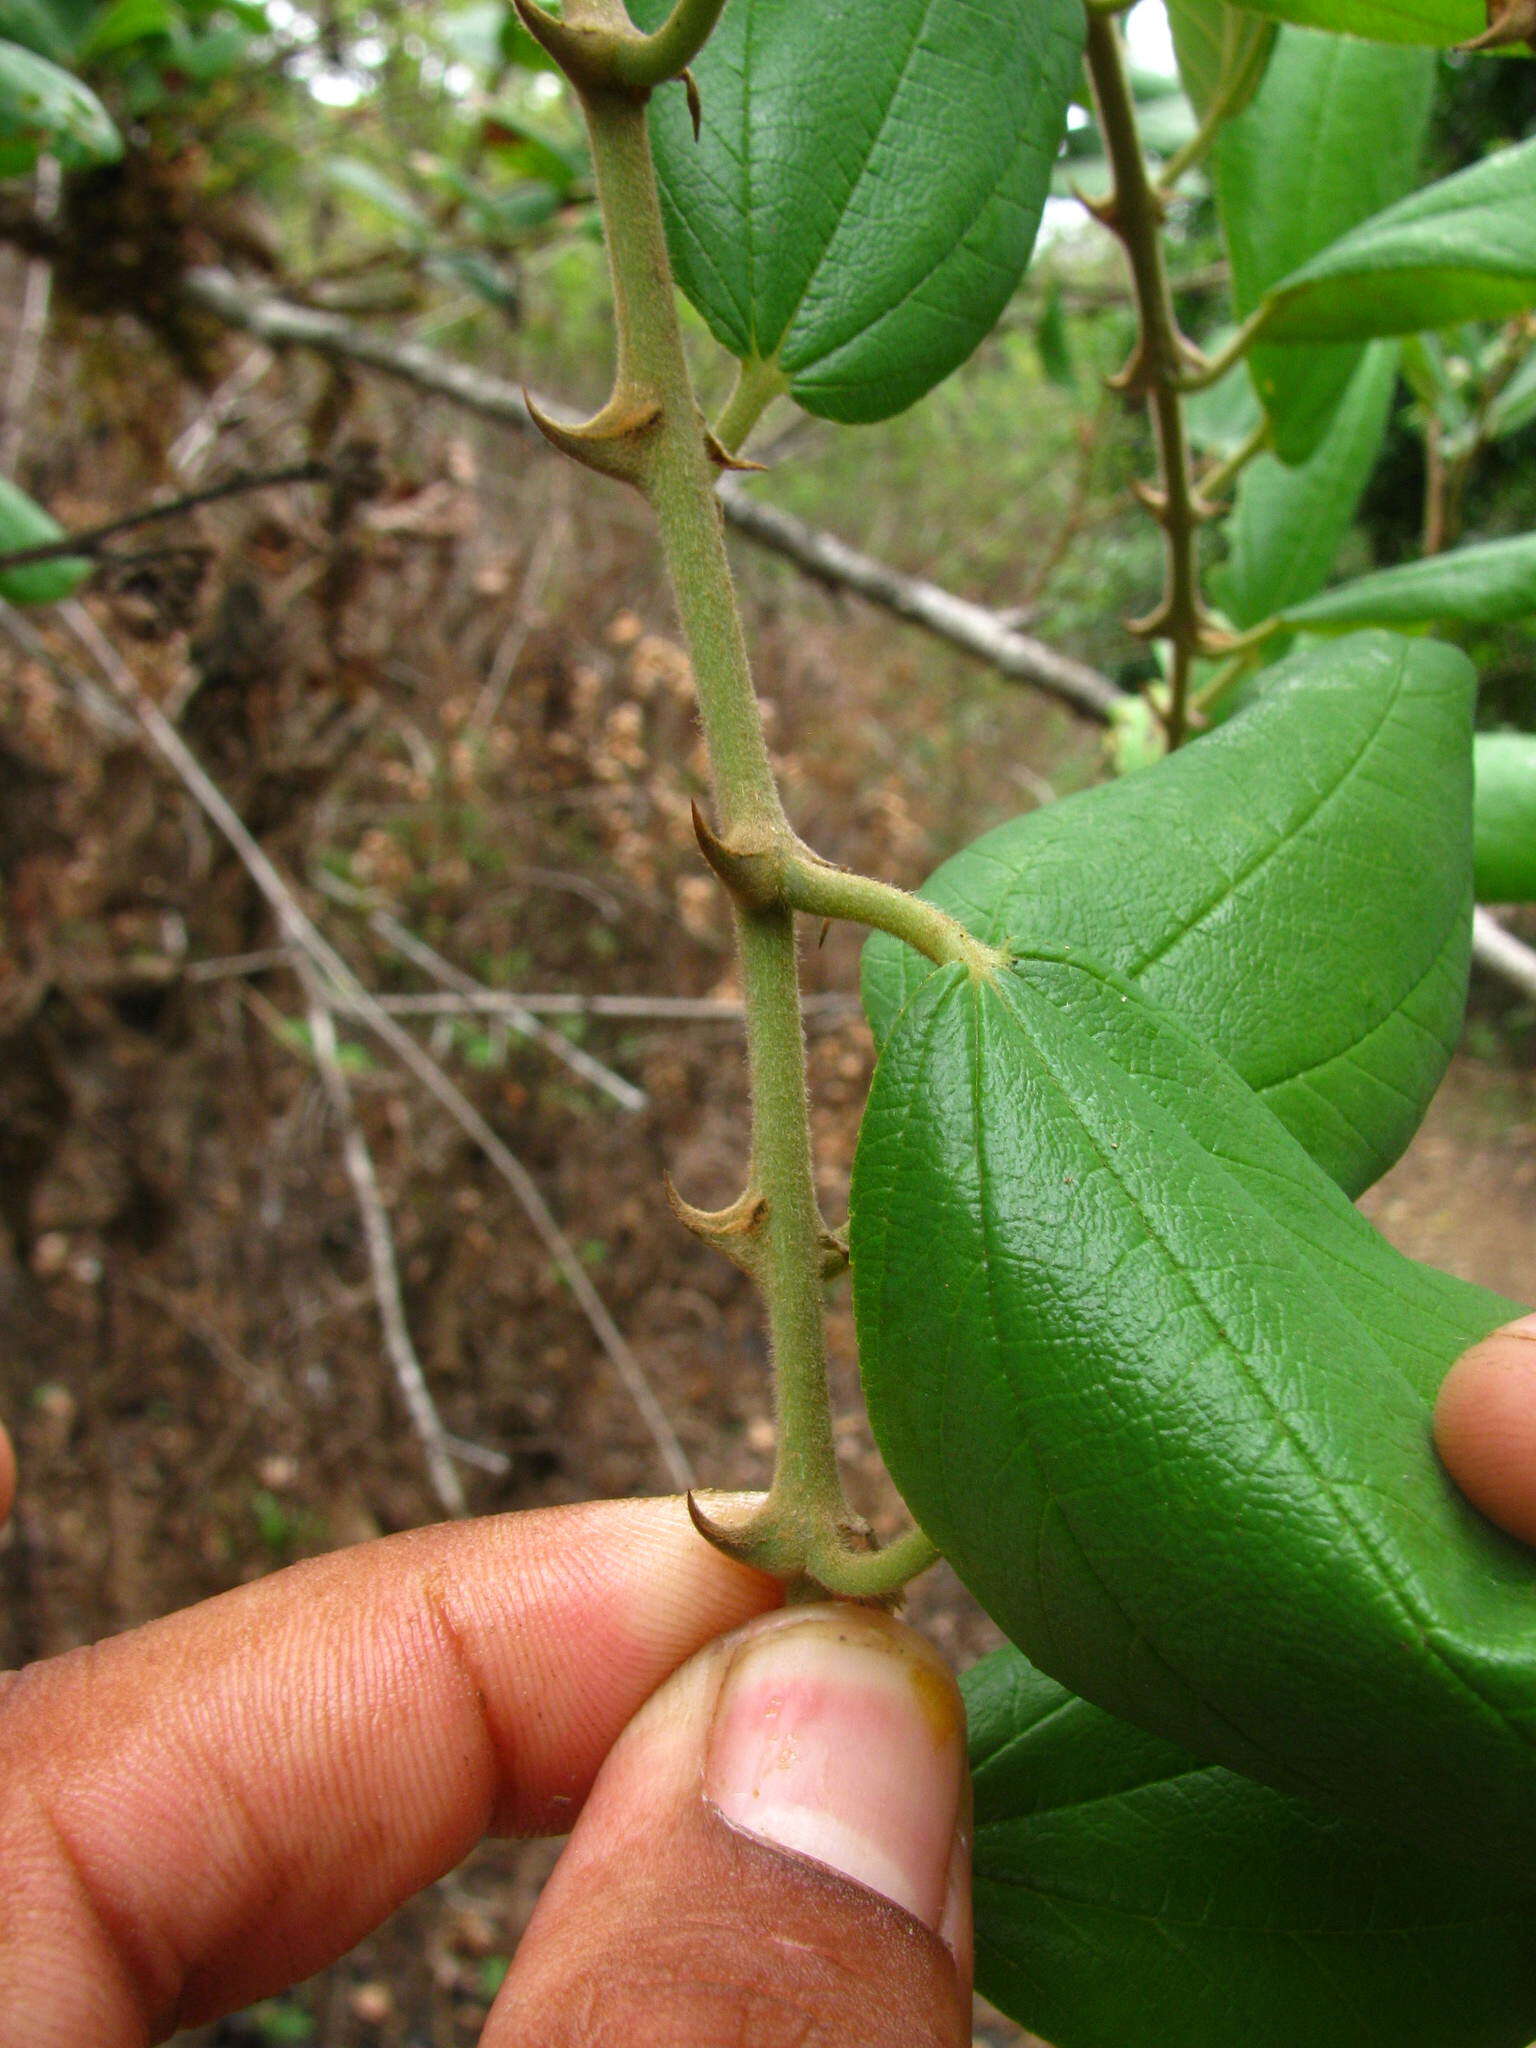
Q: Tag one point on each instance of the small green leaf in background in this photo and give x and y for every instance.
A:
(126, 22)
(1440, 24)
(1288, 523)
(1162, 1397)
(868, 182)
(1295, 886)
(1222, 53)
(1334, 134)
(1128, 1896)
(360, 180)
(1514, 406)
(1491, 583)
(1504, 817)
(24, 524)
(1461, 249)
(36, 26)
(44, 111)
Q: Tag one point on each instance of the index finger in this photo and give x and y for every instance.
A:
(218, 1804)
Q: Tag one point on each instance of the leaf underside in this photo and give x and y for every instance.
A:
(1162, 1397)
(1128, 1896)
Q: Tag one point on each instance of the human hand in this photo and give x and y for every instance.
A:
(207, 1809)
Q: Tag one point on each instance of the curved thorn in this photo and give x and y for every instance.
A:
(722, 457)
(751, 877)
(586, 57)
(613, 441)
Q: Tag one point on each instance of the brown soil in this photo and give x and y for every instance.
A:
(189, 1346)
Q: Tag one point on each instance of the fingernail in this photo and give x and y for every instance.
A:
(839, 1735)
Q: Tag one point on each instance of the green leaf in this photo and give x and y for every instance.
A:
(1222, 53)
(1515, 406)
(1491, 583)
(865, 192)
(1461, 249)
(1288, 523)
(1295, 886)
(1333, 135)
(1162, 1396)
(1440, 24)
(1128, 1896)
(46, 111)
(349, 174)
(24, 524)
(36, 26)
(1504, 817)
(126, 22)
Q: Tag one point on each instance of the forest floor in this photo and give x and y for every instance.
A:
(460, 705)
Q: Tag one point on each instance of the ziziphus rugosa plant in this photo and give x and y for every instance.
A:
(1138, 1367)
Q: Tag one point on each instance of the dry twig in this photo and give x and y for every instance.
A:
(521, 1020)
(398, 1348)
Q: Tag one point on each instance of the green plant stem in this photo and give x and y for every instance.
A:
(757, 385)
(804, 1529)
(649, 60)
(1158, 364)
(1221, 476)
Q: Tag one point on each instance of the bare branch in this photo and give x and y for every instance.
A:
(984, 634)
(399, 1349)
(300, 931)
(92, 539)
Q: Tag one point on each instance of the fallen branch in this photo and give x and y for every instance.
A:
(1502, 953)
(341, 982)
(92, 539)
(984, 634)
(398, 1348)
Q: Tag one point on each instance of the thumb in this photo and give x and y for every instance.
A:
(776, 1851)
(1485, 1426)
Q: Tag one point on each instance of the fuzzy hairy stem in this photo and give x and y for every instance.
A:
(652, 432)
(1157, 370)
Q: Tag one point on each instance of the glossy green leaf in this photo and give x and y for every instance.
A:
(1439, 24)
(1504, 817)
(1461, 249)
(1222, 53)
(1296, 886)
(45, 110)
(1288, 523)
(1162, 1396)
(1128, 1896)
(24, 524)
(1334, 135)
(1488, 584)
(867, 184)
